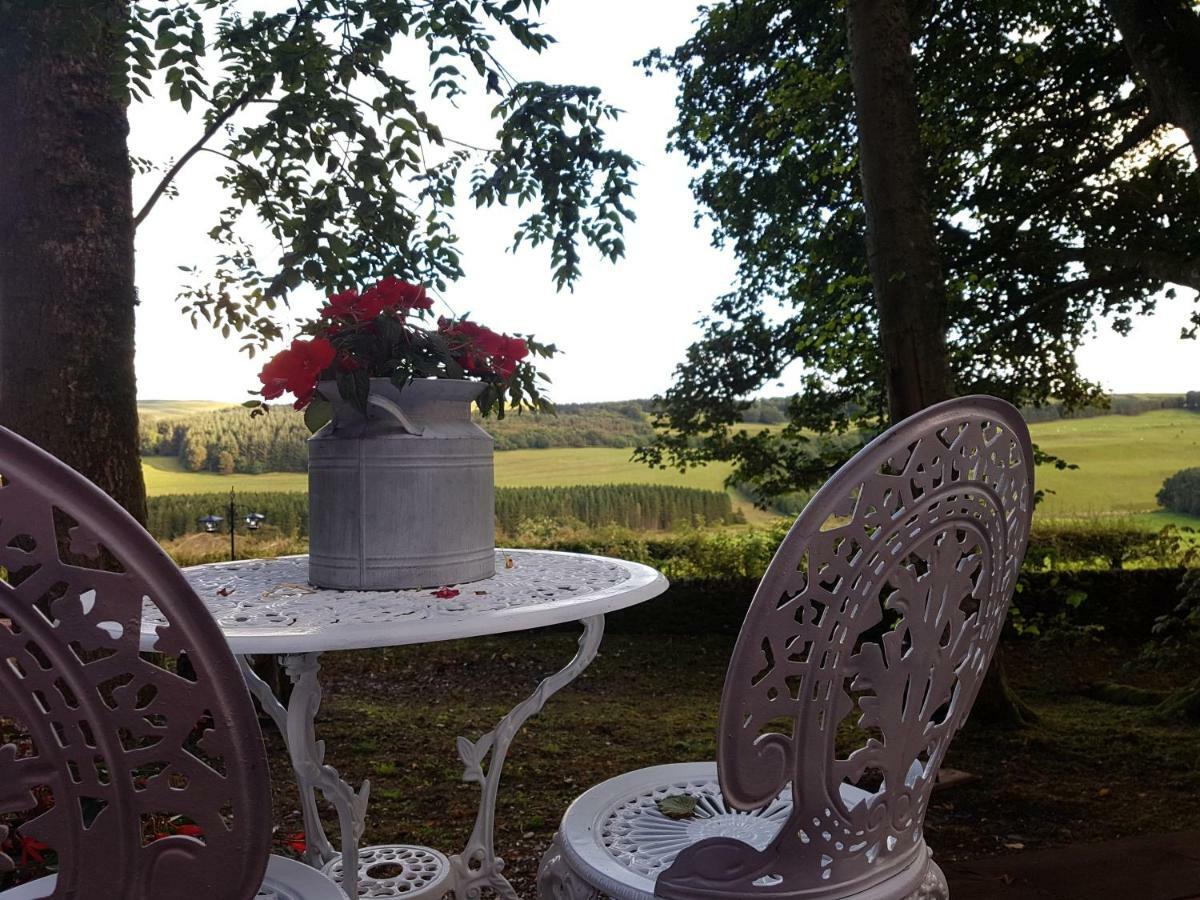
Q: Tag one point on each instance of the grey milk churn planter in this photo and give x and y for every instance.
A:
(403, 497)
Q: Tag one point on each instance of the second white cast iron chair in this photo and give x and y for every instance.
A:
(860, 657)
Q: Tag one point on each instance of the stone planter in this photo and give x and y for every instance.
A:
(404, 497)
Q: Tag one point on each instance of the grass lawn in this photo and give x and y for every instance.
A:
(165, 476)
(557, 467)
(1122, 460)
(1079, 775)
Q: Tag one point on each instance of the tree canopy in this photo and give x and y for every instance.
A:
(341, 157)
(327, 115)
(1059, 190)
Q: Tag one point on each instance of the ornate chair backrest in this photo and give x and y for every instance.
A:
(119, 747)
(862, 652)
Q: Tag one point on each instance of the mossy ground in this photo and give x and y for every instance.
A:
(1087, 771)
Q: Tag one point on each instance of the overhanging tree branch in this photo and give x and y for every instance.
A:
(303, 14)
(1158, 265)
(1047, 300)
(213, 127)
(1161, 38)
(1004, 232)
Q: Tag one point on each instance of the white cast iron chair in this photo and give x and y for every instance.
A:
(874, 623)
(121, 739)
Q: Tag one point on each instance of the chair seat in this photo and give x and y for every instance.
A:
(286, 879)
(291, 879)
(616, 838)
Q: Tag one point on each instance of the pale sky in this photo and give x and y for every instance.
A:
(626, 325)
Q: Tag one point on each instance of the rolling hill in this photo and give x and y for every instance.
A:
(1122, 462)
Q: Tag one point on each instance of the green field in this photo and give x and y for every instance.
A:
(164, 476)
(1122, 463)
(514, 468)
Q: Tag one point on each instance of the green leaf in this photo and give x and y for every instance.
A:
(317, 414)
(354, 387)
(677, 806)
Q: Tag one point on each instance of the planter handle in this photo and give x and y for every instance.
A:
(392, 409)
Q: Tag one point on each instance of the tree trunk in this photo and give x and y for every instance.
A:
(1162, 38)
(902, 251)
(66, 241)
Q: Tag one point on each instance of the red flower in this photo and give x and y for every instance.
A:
(186, 830)
(482, 351)
(370, 304)
(297, 369)
(445, 593)
(296, 842)
(413, 296)
(340, 305)
(393, 294)
(516, 349)
(388, 295)
(31, 850)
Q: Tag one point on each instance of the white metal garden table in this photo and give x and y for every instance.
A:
(267, 607)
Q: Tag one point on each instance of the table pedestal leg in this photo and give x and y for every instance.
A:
(478, 866)
(297, 723)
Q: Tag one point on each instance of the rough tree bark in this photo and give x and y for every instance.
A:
(1162, 38)
(902, 251)
(66, 241)
(906, 269)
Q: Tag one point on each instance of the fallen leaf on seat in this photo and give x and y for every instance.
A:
(677, 806)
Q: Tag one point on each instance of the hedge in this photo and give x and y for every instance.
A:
(1124, 603)
(642, 507)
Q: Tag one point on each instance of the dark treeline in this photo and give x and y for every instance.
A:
(172, 515)
(645, 507)
(229, 440)
(1119, 405)
(624, 424)
(774, 410)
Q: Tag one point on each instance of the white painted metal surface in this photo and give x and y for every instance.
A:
(398, 870)
(616, 830)
(286, 879)
(614, 842)
(267, 606)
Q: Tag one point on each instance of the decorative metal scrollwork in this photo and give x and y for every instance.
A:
(120, 740)
(863, 651)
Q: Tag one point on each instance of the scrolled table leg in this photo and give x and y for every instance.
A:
(478, 866)
(297, 723)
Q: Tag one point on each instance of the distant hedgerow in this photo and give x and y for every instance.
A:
(643, 507)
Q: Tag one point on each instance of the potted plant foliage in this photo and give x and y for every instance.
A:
(400, 480)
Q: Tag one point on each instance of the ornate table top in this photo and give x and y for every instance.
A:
(267, 606)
